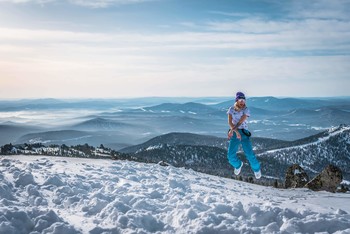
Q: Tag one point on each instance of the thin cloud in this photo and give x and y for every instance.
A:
(321, 9)
(106, 3)
(85, 3)
(310, 35)
(251, 25)
(39, 2)
(231, 14)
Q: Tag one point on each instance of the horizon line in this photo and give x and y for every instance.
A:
(157, 97)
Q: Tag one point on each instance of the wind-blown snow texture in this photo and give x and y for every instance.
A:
(67, 195)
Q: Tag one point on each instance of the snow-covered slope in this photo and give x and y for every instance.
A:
(315, 153)
(327, 135)
(67, 195)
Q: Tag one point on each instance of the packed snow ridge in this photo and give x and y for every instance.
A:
(331, 132)
(74, 195)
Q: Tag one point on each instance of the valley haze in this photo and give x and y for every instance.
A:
(131, 121)
(118, 123)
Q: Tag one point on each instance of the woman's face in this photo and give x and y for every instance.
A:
(241, 103)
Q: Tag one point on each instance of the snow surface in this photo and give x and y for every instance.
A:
(74, 195)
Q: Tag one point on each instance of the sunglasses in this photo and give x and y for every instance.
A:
(241, 100)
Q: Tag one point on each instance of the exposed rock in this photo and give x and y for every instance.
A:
(296, 177)
(328, 180)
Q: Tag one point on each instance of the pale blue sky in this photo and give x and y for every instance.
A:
(133, 48)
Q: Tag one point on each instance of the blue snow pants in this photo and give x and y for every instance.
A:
(248, 151)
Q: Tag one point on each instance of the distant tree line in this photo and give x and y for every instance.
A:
(84, 150)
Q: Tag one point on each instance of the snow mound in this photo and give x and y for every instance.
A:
(51, 195)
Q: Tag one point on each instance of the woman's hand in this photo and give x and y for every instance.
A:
(232, 131)
(229, 134)
(238, 135)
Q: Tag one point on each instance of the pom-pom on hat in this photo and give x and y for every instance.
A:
(239, 95)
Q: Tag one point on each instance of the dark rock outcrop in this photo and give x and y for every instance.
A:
(295, 177)
(328, 180)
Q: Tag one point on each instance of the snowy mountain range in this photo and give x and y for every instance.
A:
(313, 153)
(193, 127)
(208, 153)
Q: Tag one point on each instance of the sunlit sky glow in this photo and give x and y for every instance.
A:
(133, 48)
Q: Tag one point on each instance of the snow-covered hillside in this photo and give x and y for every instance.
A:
(75, 195)
(314, 153)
